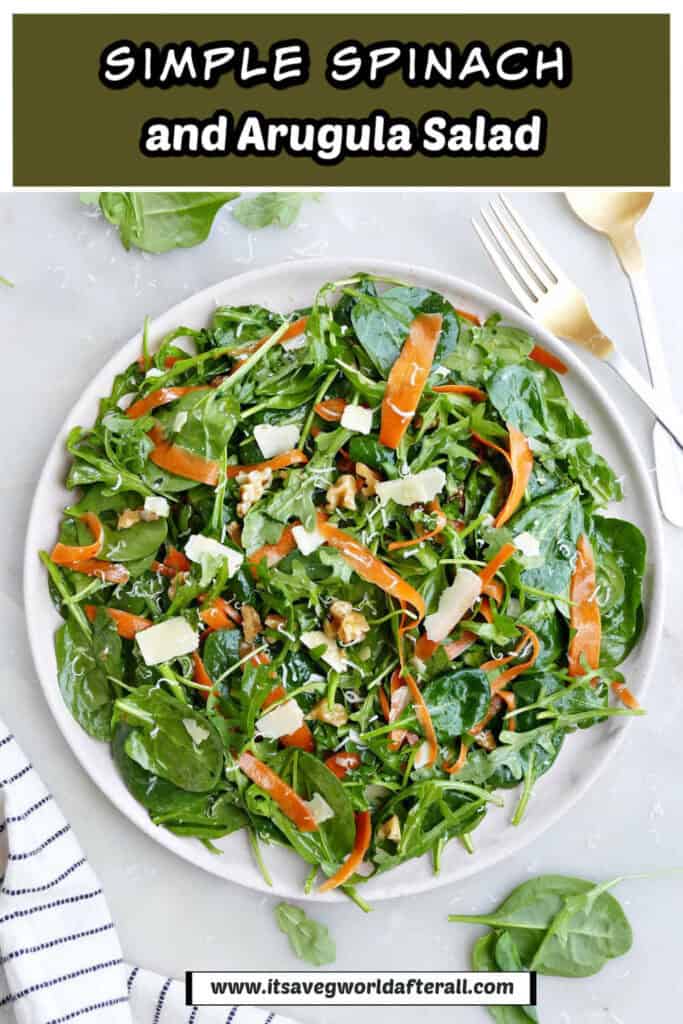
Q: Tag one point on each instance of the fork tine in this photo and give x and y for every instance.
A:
(504, 270)
(544, 260)
(514, 253)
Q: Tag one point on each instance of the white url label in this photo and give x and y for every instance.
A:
(360, 988)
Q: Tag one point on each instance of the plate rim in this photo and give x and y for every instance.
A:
(514, 840)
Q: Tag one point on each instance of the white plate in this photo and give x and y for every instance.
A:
(285, 287)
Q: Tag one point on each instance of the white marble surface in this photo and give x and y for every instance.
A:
(78, 296)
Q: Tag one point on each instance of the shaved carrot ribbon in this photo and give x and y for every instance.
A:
(109, 572)
(370, 568)
(294, 457)
(511, 673)
(331, 410)
(520, 459)
(274, 553)
(155, 399)
(302, 738)
(511, 703)
(461, 389)
(441, 520)
(489, 571)
(545, 358)
(127, 624)
(67, 554)
(289, 802)
(468, 316)
(175, 561)
(181, 462)
(220, 615)
(408, 377)
(341, 764)
(495, 705)
(459, 764)
(201, 676)
(294, 329)
(625, 696)
(355, 858)
(584, 615)
(424, 718)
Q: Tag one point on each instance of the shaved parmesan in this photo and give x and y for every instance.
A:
(527, 544)
(157, 506)
(195, 731)
(179, 421)
(154, 372)
(357, 418)
(412, 489)
(292, 344)
(307, 541)
(421, 756)
(200, 548)
(332, 656)
(281, 721)
(274, 440)
(454, 603)
(319, 808)
(167, 640)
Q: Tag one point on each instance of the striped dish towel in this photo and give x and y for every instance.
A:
(60, 954)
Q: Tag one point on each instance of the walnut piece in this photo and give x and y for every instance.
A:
(129, 517)
(342, 494)
(251, 623)
(348, 626)
(370, 478)
(252, 485)
(336, 715)
(234, 532)
(274, 621)
(178, 581)
(390, 829)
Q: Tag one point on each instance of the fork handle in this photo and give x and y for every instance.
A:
(659, 404)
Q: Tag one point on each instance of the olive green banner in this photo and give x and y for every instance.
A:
(316, 100)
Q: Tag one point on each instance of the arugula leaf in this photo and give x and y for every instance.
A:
(310, 940)
(159, 221)
(259, 211)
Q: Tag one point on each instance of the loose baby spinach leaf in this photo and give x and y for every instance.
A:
(484, 959)
(310, 940)
(84, 666)
(456, 701)
(159, 221)
(280, 208)
(171, 739)
(560, 925)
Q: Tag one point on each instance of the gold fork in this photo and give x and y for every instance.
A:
(548, 295)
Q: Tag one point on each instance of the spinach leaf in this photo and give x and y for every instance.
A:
(556, 521)
(534, 402)
(136, 542)
(316, 777)
(171, 739)
(221, 651)
(619, 549)
(382, 322)
(375, 455)
(204, 816)
(456, 700)
(83, 669)
(484, 959)
(159, 221)
(561, 925)
(258, 211)
(310, 940)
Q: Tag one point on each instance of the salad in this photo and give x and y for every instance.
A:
(339, 577)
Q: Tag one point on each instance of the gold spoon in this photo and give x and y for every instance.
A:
(616, 214)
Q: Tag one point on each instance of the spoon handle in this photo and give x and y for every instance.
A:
(668, 457)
